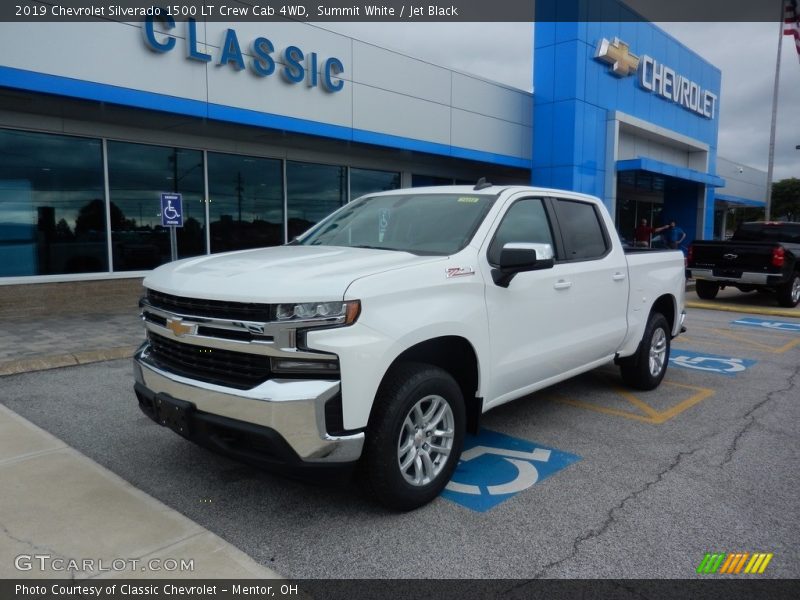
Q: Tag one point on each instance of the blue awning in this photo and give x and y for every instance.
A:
(662, 168)
(739, 201)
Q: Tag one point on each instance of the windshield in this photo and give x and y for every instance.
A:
(417, 223)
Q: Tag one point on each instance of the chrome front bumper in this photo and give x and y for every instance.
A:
(291, 408)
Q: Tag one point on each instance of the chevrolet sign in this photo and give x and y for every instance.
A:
(657, 78)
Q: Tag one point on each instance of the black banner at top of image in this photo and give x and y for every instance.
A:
(396, 10)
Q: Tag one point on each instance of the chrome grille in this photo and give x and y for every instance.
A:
(238, 370)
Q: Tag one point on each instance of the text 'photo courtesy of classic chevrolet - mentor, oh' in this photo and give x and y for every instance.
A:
(384, 332)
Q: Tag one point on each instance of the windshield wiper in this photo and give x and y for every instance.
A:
(368, 247)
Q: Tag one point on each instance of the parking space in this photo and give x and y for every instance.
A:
(584, 479)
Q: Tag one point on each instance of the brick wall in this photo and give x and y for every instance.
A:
(109, 296)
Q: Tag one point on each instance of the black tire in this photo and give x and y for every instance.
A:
(707, 290)
(789, 293)
(636, 370)
(403, 388)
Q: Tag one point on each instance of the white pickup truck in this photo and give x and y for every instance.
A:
(386, 330)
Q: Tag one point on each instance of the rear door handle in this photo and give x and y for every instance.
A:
(618, 276)
(562, 284)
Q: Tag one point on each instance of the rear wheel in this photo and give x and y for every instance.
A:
(707, 290)
(645, 369)
(415, 435)
(789, 294)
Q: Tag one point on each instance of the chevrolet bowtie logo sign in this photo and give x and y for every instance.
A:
(179, 328)
(618, 55)
(657, 78)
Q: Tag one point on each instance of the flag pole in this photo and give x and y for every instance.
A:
(770, 164)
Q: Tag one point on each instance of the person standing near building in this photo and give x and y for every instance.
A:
(643, 233)
(674, 235)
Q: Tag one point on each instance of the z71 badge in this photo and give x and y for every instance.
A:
(459, 271)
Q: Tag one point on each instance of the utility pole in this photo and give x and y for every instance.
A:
(770, 164)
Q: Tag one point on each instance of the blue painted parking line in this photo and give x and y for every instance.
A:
(769, 324)
(710, 363)
(495, 467)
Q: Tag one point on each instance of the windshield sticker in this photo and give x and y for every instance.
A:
(383, 223)
(468, 200)
(459, 271)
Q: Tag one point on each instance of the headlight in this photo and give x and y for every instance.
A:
(335, 313)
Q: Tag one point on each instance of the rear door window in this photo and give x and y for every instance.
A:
(582, 231)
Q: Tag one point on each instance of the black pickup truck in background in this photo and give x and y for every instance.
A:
(763, 256)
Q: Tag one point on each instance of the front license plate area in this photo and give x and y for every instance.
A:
(173, 413)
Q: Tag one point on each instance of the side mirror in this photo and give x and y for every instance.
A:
(518, 258)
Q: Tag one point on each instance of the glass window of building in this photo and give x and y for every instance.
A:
(245, 202)
(426, 180)
(137, 175)
(52, 205)
(367, 181)
(313, 192)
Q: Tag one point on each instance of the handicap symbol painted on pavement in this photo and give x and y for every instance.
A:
(768, 324)
(711, 363)
(495, 467)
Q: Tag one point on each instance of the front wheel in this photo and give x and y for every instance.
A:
(645, 369)
(415, 435)
(789, 294)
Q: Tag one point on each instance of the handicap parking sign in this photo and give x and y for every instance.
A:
(711, 363)
(495, 467)
(171, 210)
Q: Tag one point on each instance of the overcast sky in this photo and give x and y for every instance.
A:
(744, 52)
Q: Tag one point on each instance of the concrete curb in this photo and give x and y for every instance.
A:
(42, 363)
(64, 505)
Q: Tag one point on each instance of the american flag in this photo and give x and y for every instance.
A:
(791, 21)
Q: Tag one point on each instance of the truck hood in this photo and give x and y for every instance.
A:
(279, 274)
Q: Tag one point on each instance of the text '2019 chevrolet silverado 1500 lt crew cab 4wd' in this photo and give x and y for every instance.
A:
(762, 256)
(385, 331)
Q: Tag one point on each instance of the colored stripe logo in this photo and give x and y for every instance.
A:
(734, 563)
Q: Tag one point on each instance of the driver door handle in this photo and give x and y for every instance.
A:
(618, 276)
(562, 284)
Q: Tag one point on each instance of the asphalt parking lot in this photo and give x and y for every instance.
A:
(617, 484)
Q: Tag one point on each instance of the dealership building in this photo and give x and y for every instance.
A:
(264, 128)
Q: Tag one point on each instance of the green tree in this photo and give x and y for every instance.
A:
(786, 199)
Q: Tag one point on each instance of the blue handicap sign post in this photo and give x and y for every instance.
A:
(171, 210)
(172, 217)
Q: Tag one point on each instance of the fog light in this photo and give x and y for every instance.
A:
(295, 365)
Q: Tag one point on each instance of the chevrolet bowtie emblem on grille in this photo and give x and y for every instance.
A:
(179, 328)
(618, 55)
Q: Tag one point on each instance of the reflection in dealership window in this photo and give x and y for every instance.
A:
(313, 192)
(368, 181)
(245, 202)
(137, 175)
(427, 180)
(52, 216)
